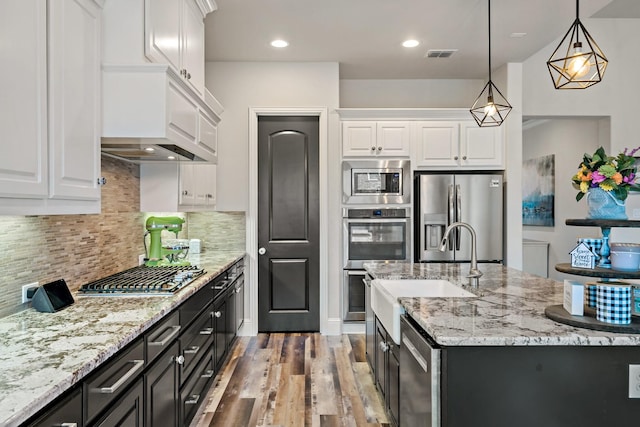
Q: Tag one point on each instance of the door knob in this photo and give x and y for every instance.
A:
(262, 251)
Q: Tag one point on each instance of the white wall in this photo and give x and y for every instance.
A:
(417, 93)
(615, 97)
(567, 139)
(241, 85)
(508, 80)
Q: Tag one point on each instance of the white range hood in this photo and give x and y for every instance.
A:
(150, 114)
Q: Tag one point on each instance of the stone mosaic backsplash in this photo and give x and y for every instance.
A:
(82, 248)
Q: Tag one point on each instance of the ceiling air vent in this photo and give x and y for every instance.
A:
(440, 53)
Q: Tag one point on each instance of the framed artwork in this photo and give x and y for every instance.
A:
(538, 191)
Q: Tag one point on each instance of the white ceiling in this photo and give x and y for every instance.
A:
(365, 36)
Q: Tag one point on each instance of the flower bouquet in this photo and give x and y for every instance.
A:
(616, 175)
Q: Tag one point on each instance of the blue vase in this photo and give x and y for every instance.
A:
(604, 205)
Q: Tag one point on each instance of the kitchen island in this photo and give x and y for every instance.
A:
(504, 363)
(44, 354)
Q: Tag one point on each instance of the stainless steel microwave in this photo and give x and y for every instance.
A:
(376, 182)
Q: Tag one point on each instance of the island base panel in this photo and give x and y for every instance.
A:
(537, 386)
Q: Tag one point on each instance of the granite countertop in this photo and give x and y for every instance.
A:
(44, 354)
(508, 310)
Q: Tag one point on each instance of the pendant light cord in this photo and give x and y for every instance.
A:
(577, 20)
(489, 27)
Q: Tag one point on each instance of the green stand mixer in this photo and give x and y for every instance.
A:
(158, 254)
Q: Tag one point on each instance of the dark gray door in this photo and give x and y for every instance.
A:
(288, 225)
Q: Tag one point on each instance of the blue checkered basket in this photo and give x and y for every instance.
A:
(594, 244)
(613, 304)
(590, 294)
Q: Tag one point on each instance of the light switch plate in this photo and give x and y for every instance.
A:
(634, 381)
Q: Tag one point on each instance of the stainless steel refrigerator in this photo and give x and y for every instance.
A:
(443, 198)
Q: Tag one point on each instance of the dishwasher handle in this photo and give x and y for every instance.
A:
(414, 352)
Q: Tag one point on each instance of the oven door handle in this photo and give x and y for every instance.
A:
(375, 220)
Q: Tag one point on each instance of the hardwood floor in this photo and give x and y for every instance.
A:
(295, 380)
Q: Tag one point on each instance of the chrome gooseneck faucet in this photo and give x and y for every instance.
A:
(474, 273)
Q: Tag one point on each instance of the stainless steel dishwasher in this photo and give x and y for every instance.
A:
(419, 378)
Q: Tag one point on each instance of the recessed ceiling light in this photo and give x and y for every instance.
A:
(149, 150)
(171, 157)
(517, 35)
(410, 43)
(279, 43)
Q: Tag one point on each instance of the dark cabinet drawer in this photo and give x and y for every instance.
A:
(104, 386)
(66, 412)
(126, 411)
(162, 336)
(190, 309)
(195, 388)
(195, 341)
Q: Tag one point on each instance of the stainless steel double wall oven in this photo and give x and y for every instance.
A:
(376, 225)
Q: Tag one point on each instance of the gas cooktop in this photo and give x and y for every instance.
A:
(143, 281)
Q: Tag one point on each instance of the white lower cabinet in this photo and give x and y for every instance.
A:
(50, 112)
(177, 187)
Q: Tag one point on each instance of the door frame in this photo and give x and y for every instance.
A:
(251, 324)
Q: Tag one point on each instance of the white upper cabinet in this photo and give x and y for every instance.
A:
(23, 107)
(376, 138)
(50, 109)
(436, 144)
(481, 147)
(153, 78)
(177, 187)
(74, 98)
(447, 144)
(193, 45)
(174, 34)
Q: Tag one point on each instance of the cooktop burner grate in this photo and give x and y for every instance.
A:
(143, 280)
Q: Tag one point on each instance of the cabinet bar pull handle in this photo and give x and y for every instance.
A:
(192, 350)
(171, 336)
(412, 349)
(207, 374)
(193, 399)
(207, 331)
(137, 365)
(69, 425)
(222, 284)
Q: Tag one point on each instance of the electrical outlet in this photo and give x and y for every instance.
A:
(25, 289)
(141, 259)
(634, 381)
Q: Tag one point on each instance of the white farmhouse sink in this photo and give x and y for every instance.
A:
(385, 294)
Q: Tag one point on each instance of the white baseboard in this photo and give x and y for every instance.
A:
(353, 328)
(333, 326)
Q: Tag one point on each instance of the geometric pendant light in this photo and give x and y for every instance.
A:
(490, 107)
(577, 62)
